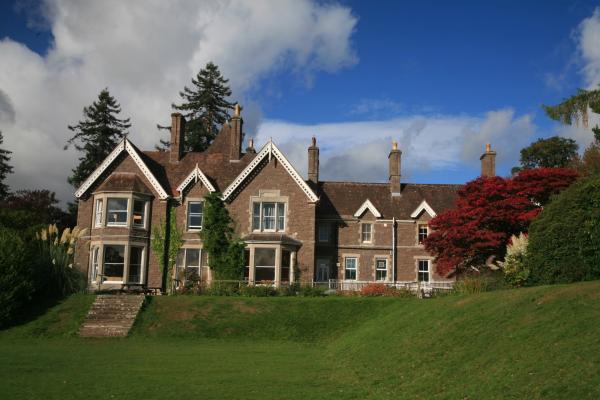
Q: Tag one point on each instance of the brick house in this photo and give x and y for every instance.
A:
(295, 229)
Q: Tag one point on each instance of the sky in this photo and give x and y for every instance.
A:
(442, 78)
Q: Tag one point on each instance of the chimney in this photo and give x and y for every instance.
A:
(488, 162)
(177, 137)
(250, 148)
(236, 136)
(394, 166)
(313, 161)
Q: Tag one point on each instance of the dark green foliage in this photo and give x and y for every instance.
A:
(204, 107)
(29, 210)
(97, 135)
(564, 239)
(167, 255)
(554, 152)
(225, 251)
(17, 284)
(5, 169)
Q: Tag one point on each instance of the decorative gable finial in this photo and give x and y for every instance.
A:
(237, 110)
(394, 145)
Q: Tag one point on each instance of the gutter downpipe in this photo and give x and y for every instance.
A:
(394, 249)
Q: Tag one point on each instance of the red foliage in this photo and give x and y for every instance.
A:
(373, 289)
(487, 213)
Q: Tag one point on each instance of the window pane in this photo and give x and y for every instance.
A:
(195, 214)
(286, 258)
(99, 212)
(256, 216)
(194, 221)
(264, 257)
(280, 216)
(192, 258)
(268, 210)
(264, 274)
(423, 270)
(116, 211)
(114, 262)
(135, 264)
(350, 270)
(366, 232)
(195, 207)
(324, 232)
(139, 209)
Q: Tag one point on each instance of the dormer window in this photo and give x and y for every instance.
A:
(116, 211)
(195, 215)
(268, 216)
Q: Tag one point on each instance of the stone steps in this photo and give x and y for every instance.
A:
(111, 315)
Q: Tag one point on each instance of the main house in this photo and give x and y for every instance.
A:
(295, 229)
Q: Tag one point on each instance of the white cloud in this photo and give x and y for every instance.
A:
(145, 52)
(589, 47)
(359, 150)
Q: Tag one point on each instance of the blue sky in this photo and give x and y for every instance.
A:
(441, 77)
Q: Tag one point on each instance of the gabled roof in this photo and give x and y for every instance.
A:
(123, 182)
(423, 207)
(270, 150)
(128, 147)
(194, 176)
(367, 205)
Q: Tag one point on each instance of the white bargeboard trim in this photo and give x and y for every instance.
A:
(125, 145)
(367, 205)
(195, 175)
(423, 207)
(270, 150)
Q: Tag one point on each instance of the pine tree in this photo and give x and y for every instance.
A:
(97, 135)
(5, 169)
(205, 108)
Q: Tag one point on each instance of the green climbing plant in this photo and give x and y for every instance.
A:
(166, 241)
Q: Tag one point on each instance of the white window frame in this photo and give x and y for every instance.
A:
(94, 263)
(385, 270)
(280, 210)
(128, 245)
(127, 211)
(355, 269)
(125, 261)
(189, 215)
(422, 271)
(185, 265)
(419, 227)
(362, 232)
(324, 232)
(273, 267)
(99, 213)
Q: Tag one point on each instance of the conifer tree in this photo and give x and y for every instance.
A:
(5, 169)
(204, 107)
(97, 135)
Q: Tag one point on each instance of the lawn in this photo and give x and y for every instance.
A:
(529, 343)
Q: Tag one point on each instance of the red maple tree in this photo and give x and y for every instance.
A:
(487, 213)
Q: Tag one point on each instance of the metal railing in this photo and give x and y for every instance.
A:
(413, 286)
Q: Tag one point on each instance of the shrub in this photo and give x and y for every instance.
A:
(474, 284)
(516, 273)
(55, 259)
(17, 285)
(563, 239)
(310, 291)
(373, 289)
(258, 291)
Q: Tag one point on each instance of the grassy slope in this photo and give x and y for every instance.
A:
(530, 343)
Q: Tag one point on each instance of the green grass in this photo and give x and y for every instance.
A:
(537, 343)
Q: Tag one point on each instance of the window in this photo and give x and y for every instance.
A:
(423, 271)
(188, 265)
(367, 233)
(286, 263)
(116, 211)
(139, 213)
(98, 221)
(324, 233)
(246, 264)
(264, 260)
(268, 216)
(195, 215)
(114, 262)
(135, 264)
(350, 268)
(380, 269)
(423, 232)
(94, 264)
